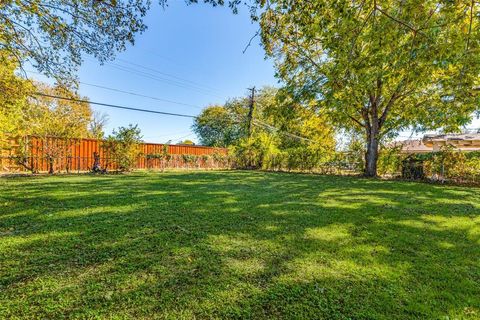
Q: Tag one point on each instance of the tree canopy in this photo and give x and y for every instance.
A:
(379, 66)
(13, 95)
(285, 134)
(217, 127)
(49, 117)
(53, 34)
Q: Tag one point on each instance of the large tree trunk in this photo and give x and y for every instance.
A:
(371, 155)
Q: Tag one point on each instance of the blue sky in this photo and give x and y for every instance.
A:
(189, 54)
(198, 50)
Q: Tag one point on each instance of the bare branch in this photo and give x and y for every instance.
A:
(250, 41)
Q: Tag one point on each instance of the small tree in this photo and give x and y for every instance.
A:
(56, 122)
(123, 144)
(186, 142)
(96, 127)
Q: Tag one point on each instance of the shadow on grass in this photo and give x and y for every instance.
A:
(237, 245)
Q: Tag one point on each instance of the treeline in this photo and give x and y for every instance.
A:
(280, 134)
(26, 108)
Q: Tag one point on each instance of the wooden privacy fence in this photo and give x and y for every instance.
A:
(36, 154)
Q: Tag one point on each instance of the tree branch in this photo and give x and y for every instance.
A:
(356, 120)
(250, 41)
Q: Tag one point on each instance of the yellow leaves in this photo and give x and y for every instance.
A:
(13, 95)
(52, 117)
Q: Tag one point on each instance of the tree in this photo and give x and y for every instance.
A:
(282, 128)
(53, 34)
(96, 127)
(50, 118)
(187, 142)
(377, 66)
(216, 126)
(57, 117)
(123, 145)
(13, 97)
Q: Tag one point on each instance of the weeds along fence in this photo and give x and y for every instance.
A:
(38, 154)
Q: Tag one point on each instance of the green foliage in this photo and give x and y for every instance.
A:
(286, 134)
(451, 164)
(164, 155)
(189, 158)
(378, 66)
(445, 164)
(53, 35)
(390, 161)
(49, 117)
(217, 126)
(123, 146)
(186, 142)
(22, 115)
(237, 245)
(251, 152)
(224, 160)
(13, 98)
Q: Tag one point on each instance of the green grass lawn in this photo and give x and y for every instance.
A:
(237, 245)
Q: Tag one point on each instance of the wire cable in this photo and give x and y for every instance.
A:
(166, 74)
(115, 106)
(160, 79)
(130, 92)
(256, 122)
(139, 95)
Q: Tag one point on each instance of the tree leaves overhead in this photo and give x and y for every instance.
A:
(420, 61)
(53, 34)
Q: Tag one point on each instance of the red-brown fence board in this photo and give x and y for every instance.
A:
(77, 155)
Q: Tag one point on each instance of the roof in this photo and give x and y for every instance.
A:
(413, 146)
(464, 141)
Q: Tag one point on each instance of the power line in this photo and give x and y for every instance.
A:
(139, 95)
(114, 105)
(256, 122)
(160, 79)
(167, 74)
(292, 135)
(130, 93)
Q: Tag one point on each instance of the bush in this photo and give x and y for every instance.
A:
(390, 161)
(124, 147)
(450, 164)
(252, 152)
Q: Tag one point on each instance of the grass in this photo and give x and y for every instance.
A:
(237, 245)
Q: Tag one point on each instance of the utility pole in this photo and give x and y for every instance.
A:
(250, 111)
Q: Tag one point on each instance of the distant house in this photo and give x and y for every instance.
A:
(412, 146)
(462, 142)
(435, 142)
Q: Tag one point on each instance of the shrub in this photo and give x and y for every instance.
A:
(189, 158)
(123, 145)
(390, 161)
(450, 164)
